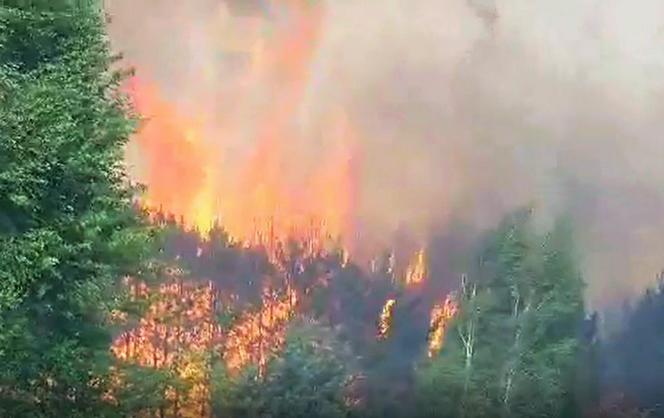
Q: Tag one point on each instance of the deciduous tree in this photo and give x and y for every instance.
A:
(68, 231)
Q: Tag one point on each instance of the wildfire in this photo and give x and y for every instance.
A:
(258, 335)
(441, 315)
(188, 159)
(417, 269)
(259, 198)
(386, 317)
(177, 332)
(180, 319)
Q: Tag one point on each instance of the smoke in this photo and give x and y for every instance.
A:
(465, 109)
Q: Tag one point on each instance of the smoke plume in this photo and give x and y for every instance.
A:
(462, 110)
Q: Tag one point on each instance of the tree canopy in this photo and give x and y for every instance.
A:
(68, 230)
(513, 348)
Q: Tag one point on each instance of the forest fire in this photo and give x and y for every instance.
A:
(257, 335)
(386, 318)
(181, 317)
(179, 333)
(441, 315)
(195, 173)
(515, 146)
(417, 269)
(259, 198)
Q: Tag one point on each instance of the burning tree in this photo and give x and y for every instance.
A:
(177, 334)
(386, 318)
(257, 336)
(441, 316)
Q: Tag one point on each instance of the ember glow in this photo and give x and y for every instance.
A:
(180, 318)
(179, 332)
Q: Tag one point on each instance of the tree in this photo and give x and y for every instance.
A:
(310, 379)
(513, 348)
(68, 231)
(634, 359)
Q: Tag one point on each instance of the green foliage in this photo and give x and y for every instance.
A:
(142, 389)
(514, 346)
(67, 228)
(308, 380)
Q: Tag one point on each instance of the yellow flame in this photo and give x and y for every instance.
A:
(441, 315)
(386, 317)
(345, 257)
(260, 198)
(417, 269)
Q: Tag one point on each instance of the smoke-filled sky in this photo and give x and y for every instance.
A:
(463, 109)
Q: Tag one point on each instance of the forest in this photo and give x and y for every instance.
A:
(112, 308)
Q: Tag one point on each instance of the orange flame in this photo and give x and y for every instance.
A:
(180, 332)
(417, 269)
(181, 318)
(386, 315)
(177, 332)
(441, 315)
(261, 200)
(258, 335)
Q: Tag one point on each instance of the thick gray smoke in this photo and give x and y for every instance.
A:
(470, 108)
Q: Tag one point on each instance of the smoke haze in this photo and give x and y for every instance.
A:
(463, 109)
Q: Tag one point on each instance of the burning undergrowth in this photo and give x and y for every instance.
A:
(219, 301)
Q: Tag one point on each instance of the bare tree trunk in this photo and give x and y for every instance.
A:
(467, 336)
(515, 357)
(513, 352)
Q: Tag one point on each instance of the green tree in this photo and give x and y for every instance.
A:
(513, 348)
(141, 391)
(310, 379)
(68, 231)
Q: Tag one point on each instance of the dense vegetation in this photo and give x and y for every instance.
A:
(515, 346)
(67, 229)
(520, 345)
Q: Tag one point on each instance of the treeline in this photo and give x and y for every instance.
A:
(520, 345)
